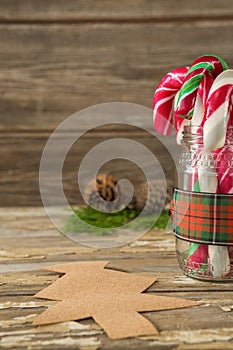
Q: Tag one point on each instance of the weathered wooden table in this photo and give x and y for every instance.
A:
(28, 241)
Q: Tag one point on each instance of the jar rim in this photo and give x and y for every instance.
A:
(194, 134)
(193, 129)
(198, 129)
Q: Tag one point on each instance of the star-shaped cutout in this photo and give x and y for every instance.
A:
(112, 298)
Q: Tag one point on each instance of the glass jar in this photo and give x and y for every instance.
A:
(202, 208)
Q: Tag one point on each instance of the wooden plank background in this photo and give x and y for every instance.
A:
(59, 57)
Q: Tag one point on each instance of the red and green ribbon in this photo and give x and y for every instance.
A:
(203, 217)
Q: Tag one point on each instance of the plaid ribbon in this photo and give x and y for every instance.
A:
(203, 217)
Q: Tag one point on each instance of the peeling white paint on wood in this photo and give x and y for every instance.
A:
(25, 305)
(225, 308)
(17, 321)
(184, 279)
(193, 337)
(139, 244)
(11, 342)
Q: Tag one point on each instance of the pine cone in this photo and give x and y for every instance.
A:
(157, 198)
(105, 186)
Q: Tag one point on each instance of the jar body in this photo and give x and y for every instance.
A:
(207, 172)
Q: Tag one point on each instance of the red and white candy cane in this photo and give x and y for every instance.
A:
(199, 115)
(198, 253)
(219, 111)
(197, 257)
(202, 66)
(218, 118)
(164, 98)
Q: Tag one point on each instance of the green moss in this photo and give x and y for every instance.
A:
(99, 221)
(162, 220)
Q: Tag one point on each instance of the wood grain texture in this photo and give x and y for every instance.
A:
(58, 57)
(207, 326)
(21, 153)
(80, 10)
(49, 72)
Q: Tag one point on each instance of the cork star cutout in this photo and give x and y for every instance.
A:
(112, 298)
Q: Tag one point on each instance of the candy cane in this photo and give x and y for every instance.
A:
(223, 86)
(199, 116)
(180, 123)
(218, 256)
(199, 253)
(217, 119)
(204, 65)
(163, 100)
(197, 256)
(218, 113)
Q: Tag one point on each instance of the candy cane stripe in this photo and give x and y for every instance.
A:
(163, 100)
(201, 67)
